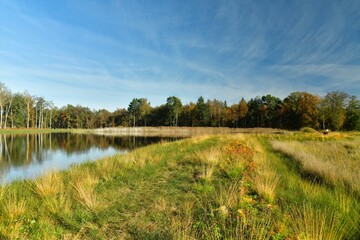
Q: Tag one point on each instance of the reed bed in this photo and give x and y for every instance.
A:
(183, 131)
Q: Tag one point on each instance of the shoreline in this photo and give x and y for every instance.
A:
(163, 131)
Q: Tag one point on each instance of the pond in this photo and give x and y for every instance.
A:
(30, 155)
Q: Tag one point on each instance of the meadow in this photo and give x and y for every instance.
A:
(272, 185)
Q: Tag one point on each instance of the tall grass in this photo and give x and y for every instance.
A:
(306, 191)
(12, 205)
(49, 185)
(310, 222)
(208, 161)
(335, 162)
(84, 185)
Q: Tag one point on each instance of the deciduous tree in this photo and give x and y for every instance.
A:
(334, 105)
(174, 107)
(243, 110)
(352, 117)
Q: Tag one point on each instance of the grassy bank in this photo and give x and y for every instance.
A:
(207, 187)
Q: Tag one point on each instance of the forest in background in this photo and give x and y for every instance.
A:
(337, 110)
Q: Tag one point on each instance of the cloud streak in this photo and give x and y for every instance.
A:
(224, 50)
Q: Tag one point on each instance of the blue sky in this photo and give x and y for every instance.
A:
(103, 53)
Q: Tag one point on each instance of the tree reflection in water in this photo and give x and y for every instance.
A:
(29, 155)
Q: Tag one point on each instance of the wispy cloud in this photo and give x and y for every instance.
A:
(225, 49)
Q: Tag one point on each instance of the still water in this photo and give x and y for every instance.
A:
(31, 155)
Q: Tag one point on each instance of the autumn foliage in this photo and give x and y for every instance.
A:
(336, 111)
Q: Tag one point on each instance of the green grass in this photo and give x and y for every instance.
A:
(209, 187)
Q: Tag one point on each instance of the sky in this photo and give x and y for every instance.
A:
(102, 54)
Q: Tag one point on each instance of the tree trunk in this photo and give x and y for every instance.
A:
(7, 114)
(1, 114)
(42, 118)
(50, 118)
(28, 115)
(36, 117)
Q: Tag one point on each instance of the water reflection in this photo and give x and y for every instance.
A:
(27, 156)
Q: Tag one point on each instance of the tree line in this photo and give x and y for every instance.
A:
(337, 110)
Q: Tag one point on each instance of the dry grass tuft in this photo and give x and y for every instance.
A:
(84, 184)
(49, 185)
(85, 195)
(252, 228)
(58, 204)
(107, 168)
(12, 205)
(265, 183)
(12, 232)
(208, 161)
(231, 195)
(310, 222)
